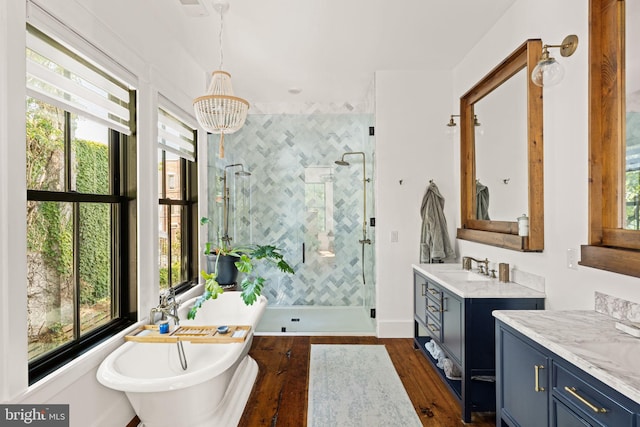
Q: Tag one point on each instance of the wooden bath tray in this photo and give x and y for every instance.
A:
(195, 334)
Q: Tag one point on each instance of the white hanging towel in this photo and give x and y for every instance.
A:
(434, 241)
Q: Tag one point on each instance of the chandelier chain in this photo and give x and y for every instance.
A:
(220, 36)
(219, 111)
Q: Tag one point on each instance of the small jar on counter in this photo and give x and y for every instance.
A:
(523, 225)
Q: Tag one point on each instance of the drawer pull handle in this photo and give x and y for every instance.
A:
(434, 291)
(433, 309)
(432, 327)
(574, 392)
(536, 369)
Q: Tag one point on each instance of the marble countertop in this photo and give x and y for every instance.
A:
(467, 284)
(587, 339)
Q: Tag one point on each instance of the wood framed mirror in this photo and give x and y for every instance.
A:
(504, 233)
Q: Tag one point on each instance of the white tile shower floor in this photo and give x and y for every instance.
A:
(309, 320)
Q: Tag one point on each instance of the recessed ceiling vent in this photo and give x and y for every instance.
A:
(194, 8)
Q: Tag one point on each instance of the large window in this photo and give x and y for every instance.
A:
(78, 204)
(614, 86)
(177, 195)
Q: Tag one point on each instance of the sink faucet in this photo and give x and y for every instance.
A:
(483, 265)
(168, 307)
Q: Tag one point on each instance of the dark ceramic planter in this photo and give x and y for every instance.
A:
(227, 270)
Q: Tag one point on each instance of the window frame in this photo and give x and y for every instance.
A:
(189, 200)
(120, 104)
(122, 148)
(610, 247)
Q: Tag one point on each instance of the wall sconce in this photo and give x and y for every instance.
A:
(549, 72)
(453, 123)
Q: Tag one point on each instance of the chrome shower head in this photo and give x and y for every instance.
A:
(342, 163)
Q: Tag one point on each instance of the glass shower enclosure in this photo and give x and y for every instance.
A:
(310, 193)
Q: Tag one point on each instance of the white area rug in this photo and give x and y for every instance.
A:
(356, 385)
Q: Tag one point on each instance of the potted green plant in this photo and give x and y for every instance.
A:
(246, 256)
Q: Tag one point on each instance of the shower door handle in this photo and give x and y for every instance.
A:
(303, 253)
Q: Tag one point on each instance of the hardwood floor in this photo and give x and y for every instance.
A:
(279, 398)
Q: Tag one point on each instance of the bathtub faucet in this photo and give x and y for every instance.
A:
(168, 307)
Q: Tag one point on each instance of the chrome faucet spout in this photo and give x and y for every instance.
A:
(168, 307)
(152, 315)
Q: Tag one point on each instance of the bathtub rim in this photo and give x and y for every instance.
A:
(109, 376)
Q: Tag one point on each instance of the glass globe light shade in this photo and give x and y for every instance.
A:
(548, 72)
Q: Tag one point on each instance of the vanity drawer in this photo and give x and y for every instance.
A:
(434, 309)
(594, 403)
(434, 325)
(434, 294)
(434, 329)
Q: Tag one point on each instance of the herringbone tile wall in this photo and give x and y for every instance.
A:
(277, 149)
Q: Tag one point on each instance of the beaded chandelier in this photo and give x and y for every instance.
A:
(219, 111)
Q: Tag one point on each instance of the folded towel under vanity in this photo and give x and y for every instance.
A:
(450, 369)
(435, 351)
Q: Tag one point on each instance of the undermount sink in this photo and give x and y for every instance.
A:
(463, 276)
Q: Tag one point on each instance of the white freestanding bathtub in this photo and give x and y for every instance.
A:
(214, 388)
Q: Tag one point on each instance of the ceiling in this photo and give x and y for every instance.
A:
(328, 49)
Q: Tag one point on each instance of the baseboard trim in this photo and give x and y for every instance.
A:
(395, 329)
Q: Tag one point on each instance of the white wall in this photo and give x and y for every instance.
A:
(412, 147)
(565, 152)
(410, 117)
(152, 68)
(13, 269)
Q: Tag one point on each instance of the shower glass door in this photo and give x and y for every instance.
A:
(313, 209)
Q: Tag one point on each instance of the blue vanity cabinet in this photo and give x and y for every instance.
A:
(523, 382)
(559, 395)
(434, 311)
(463, 327)
(565, 417)
(420, 298)
(452, 337)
